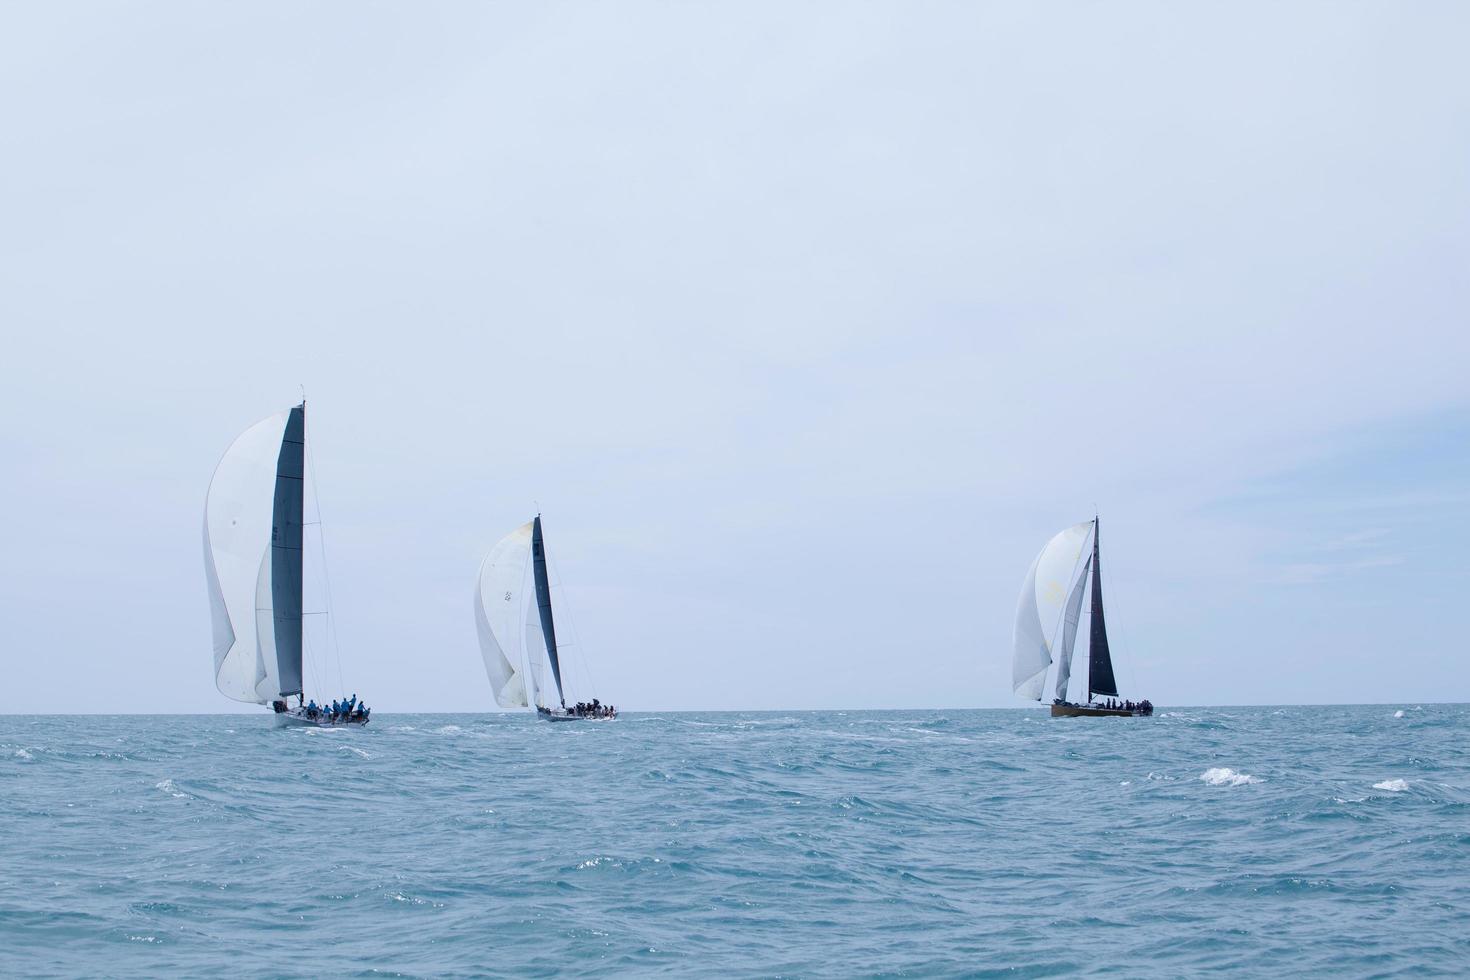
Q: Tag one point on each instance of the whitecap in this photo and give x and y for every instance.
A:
(1399, 713)
(349, 748)
(23, 755)
(168, 787)
(1392, 785)
(1225, 776)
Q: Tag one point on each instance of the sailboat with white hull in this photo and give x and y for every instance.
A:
(515, 647)
(253, 520)
(1047, 608)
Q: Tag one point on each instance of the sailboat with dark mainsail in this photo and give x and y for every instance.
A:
(516, 647)
(1049, 610)
(253, 523)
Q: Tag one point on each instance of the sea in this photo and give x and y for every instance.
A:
(1260, 841)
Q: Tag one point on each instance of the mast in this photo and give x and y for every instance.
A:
(1100, 678)
(543, 604)
(287, 511)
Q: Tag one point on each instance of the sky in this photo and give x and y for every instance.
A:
(803, 325)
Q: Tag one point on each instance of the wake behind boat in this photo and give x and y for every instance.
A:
(514, 658)
(253, 521)
(1041, 614)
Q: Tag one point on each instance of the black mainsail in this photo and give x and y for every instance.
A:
(287, 512)
(1100, 679)
(543, 604)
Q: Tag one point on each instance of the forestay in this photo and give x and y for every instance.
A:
(499, 601)
(1039, 608)
(1069, 632)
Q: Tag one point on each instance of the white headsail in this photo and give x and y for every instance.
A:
(1069, 632)
(238, 515)
(1040, 606)
(499, 604)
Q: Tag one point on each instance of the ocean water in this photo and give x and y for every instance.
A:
(906, 843)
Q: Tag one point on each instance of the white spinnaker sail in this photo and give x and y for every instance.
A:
(537, 666)
(1039, 608)
(237, 545)
(1069, 631)
(499, 604)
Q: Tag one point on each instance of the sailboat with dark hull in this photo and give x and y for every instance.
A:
(1049, 610)
(253, 520)
(515, 647)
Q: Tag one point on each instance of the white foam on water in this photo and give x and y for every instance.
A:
(450, 730)
(24, 756)
(1392, 785)
(1399, 713)
(168, 787)
(349, 748)
(1225, 776)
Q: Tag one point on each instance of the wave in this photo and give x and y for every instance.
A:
(1225, 776)
(1399, 713)
(1392, 785)
(168, 787)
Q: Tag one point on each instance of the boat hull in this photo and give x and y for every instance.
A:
(294, 719)
(549, 716)
(1090, 711)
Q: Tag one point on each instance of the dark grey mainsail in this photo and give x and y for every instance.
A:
(543, 604)
(1100, 678)
(286, 553)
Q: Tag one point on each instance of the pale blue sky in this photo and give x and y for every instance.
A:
(806, 326)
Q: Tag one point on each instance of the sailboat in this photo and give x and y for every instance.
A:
(1048, 607)
(253, 518)
(515, 647)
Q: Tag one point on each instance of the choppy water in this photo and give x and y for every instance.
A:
(1267, 840)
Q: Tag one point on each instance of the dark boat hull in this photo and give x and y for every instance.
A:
(1091, 711)
(545, 715)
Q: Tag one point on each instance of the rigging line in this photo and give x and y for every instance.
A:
(1121, 628)
(311, 660)
(334, 639)
(576, 633)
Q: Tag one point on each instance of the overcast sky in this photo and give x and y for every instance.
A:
(804, 325)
